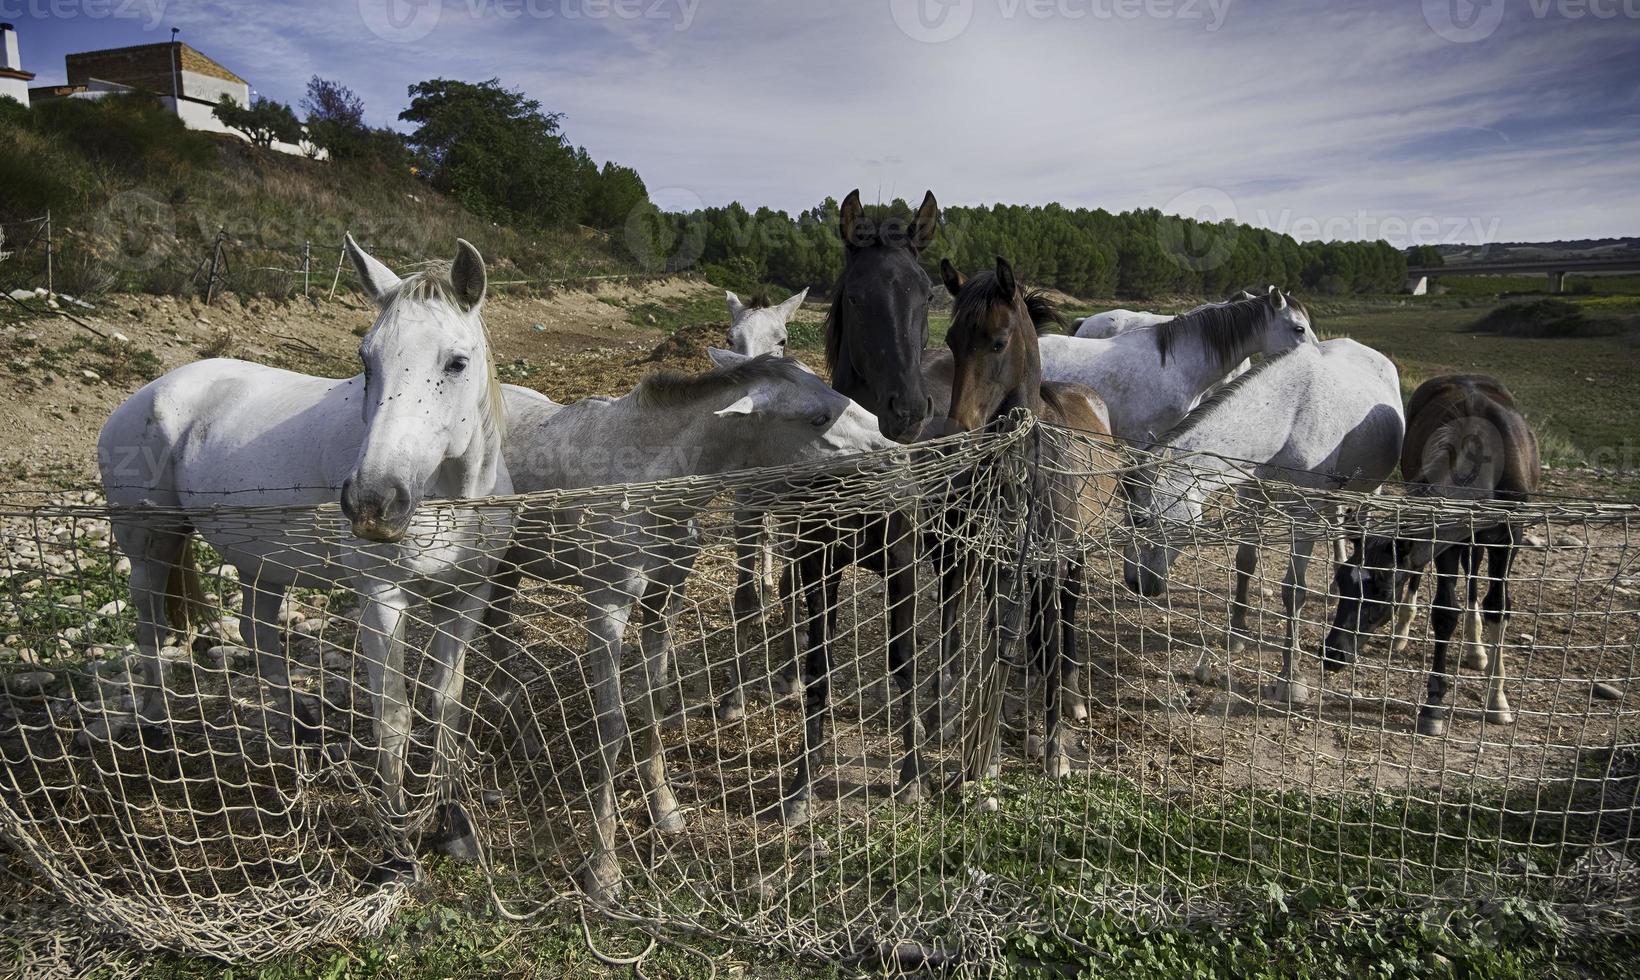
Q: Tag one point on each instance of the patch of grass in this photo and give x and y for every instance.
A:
(670, 315)
(1544, 318)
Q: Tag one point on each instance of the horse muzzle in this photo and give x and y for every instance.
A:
(378, 515)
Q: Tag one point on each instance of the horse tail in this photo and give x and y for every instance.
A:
(185, 602)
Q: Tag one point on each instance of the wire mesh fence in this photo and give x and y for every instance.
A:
(586, 750)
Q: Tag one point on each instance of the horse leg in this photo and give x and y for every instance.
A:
(1073, 669)
(956, 595)
(821, 584)
(1246, 565)
(608, 611)
(154, 552)
(748, 606)
(1053, 656)
(902, 660)
(259, 625)
(1290, 686)
(1474, 643)
(784, 681)
(661, 604)
(382, 617)
(1443, 620)
(454, 624)
(1500, 559)
(1405, 612)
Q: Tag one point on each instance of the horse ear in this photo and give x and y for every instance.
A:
(741, 406)
(378, 280)
(954, 280)
(1278, 299)
(926, 223)
(849, 219)
(467, 274)
(725, 358)
(736, 307)
(792, 303)
(1005, 279)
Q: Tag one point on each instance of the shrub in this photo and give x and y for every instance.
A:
(1543, 318)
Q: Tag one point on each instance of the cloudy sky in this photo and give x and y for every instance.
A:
(1409, 120)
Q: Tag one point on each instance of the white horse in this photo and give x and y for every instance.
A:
(1151, 377)
(423, 421)
(755, 412)
(758, 329)
(1103, 326)
(1323, 417)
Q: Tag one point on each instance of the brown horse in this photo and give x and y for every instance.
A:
(1465, 440)
(997, 367)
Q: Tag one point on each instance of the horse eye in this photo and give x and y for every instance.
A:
(999, 346)
(821, 420)
(782, 341)
(456, 365)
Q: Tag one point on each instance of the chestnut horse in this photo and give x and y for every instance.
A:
(1465, 440)
(997, 368)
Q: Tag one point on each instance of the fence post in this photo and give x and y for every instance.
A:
(51, 285)
(307, 264)
(216, 263)
(339, 260)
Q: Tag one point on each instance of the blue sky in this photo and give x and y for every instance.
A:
(1410, 120)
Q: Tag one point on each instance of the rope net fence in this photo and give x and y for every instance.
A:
(224, 812)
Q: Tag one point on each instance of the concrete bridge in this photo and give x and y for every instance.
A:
(1555, 269)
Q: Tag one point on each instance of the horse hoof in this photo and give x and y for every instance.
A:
(1401, 644)
(456, 837)
(1059, 765)
(734, 711)
(602, 880)
(782, 685)
(156, 737)
(1033, 747)
(1203, 675)
(1237, 645)
(1432, 724)
(797, 811)
(393, 871)
(1475, 658)
(908, 792)
(1336, 660)
(1078, 710)
(670, 823)
(1500, 716)
(1292, 692)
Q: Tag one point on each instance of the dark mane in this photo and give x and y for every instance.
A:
(759, 301)
(1221, 395)
(981, 291)
(665, 389)
(1222, 331)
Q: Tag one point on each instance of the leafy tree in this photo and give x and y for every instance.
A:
(263, 122)
(612, 196)
(1425, 255)
(496, 151)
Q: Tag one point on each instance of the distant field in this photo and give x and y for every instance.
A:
(1580, 393)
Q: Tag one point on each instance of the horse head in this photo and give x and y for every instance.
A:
(431, 399)
(878, 325)
(758, 328)
(997, 363)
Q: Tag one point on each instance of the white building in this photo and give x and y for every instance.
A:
(186, 82)
(13, 79)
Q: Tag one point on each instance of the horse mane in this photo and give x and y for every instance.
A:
(1221, 330)
(672, 389)
(1222, 394)
(432, 284)
(759, 301)
(981, 291)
